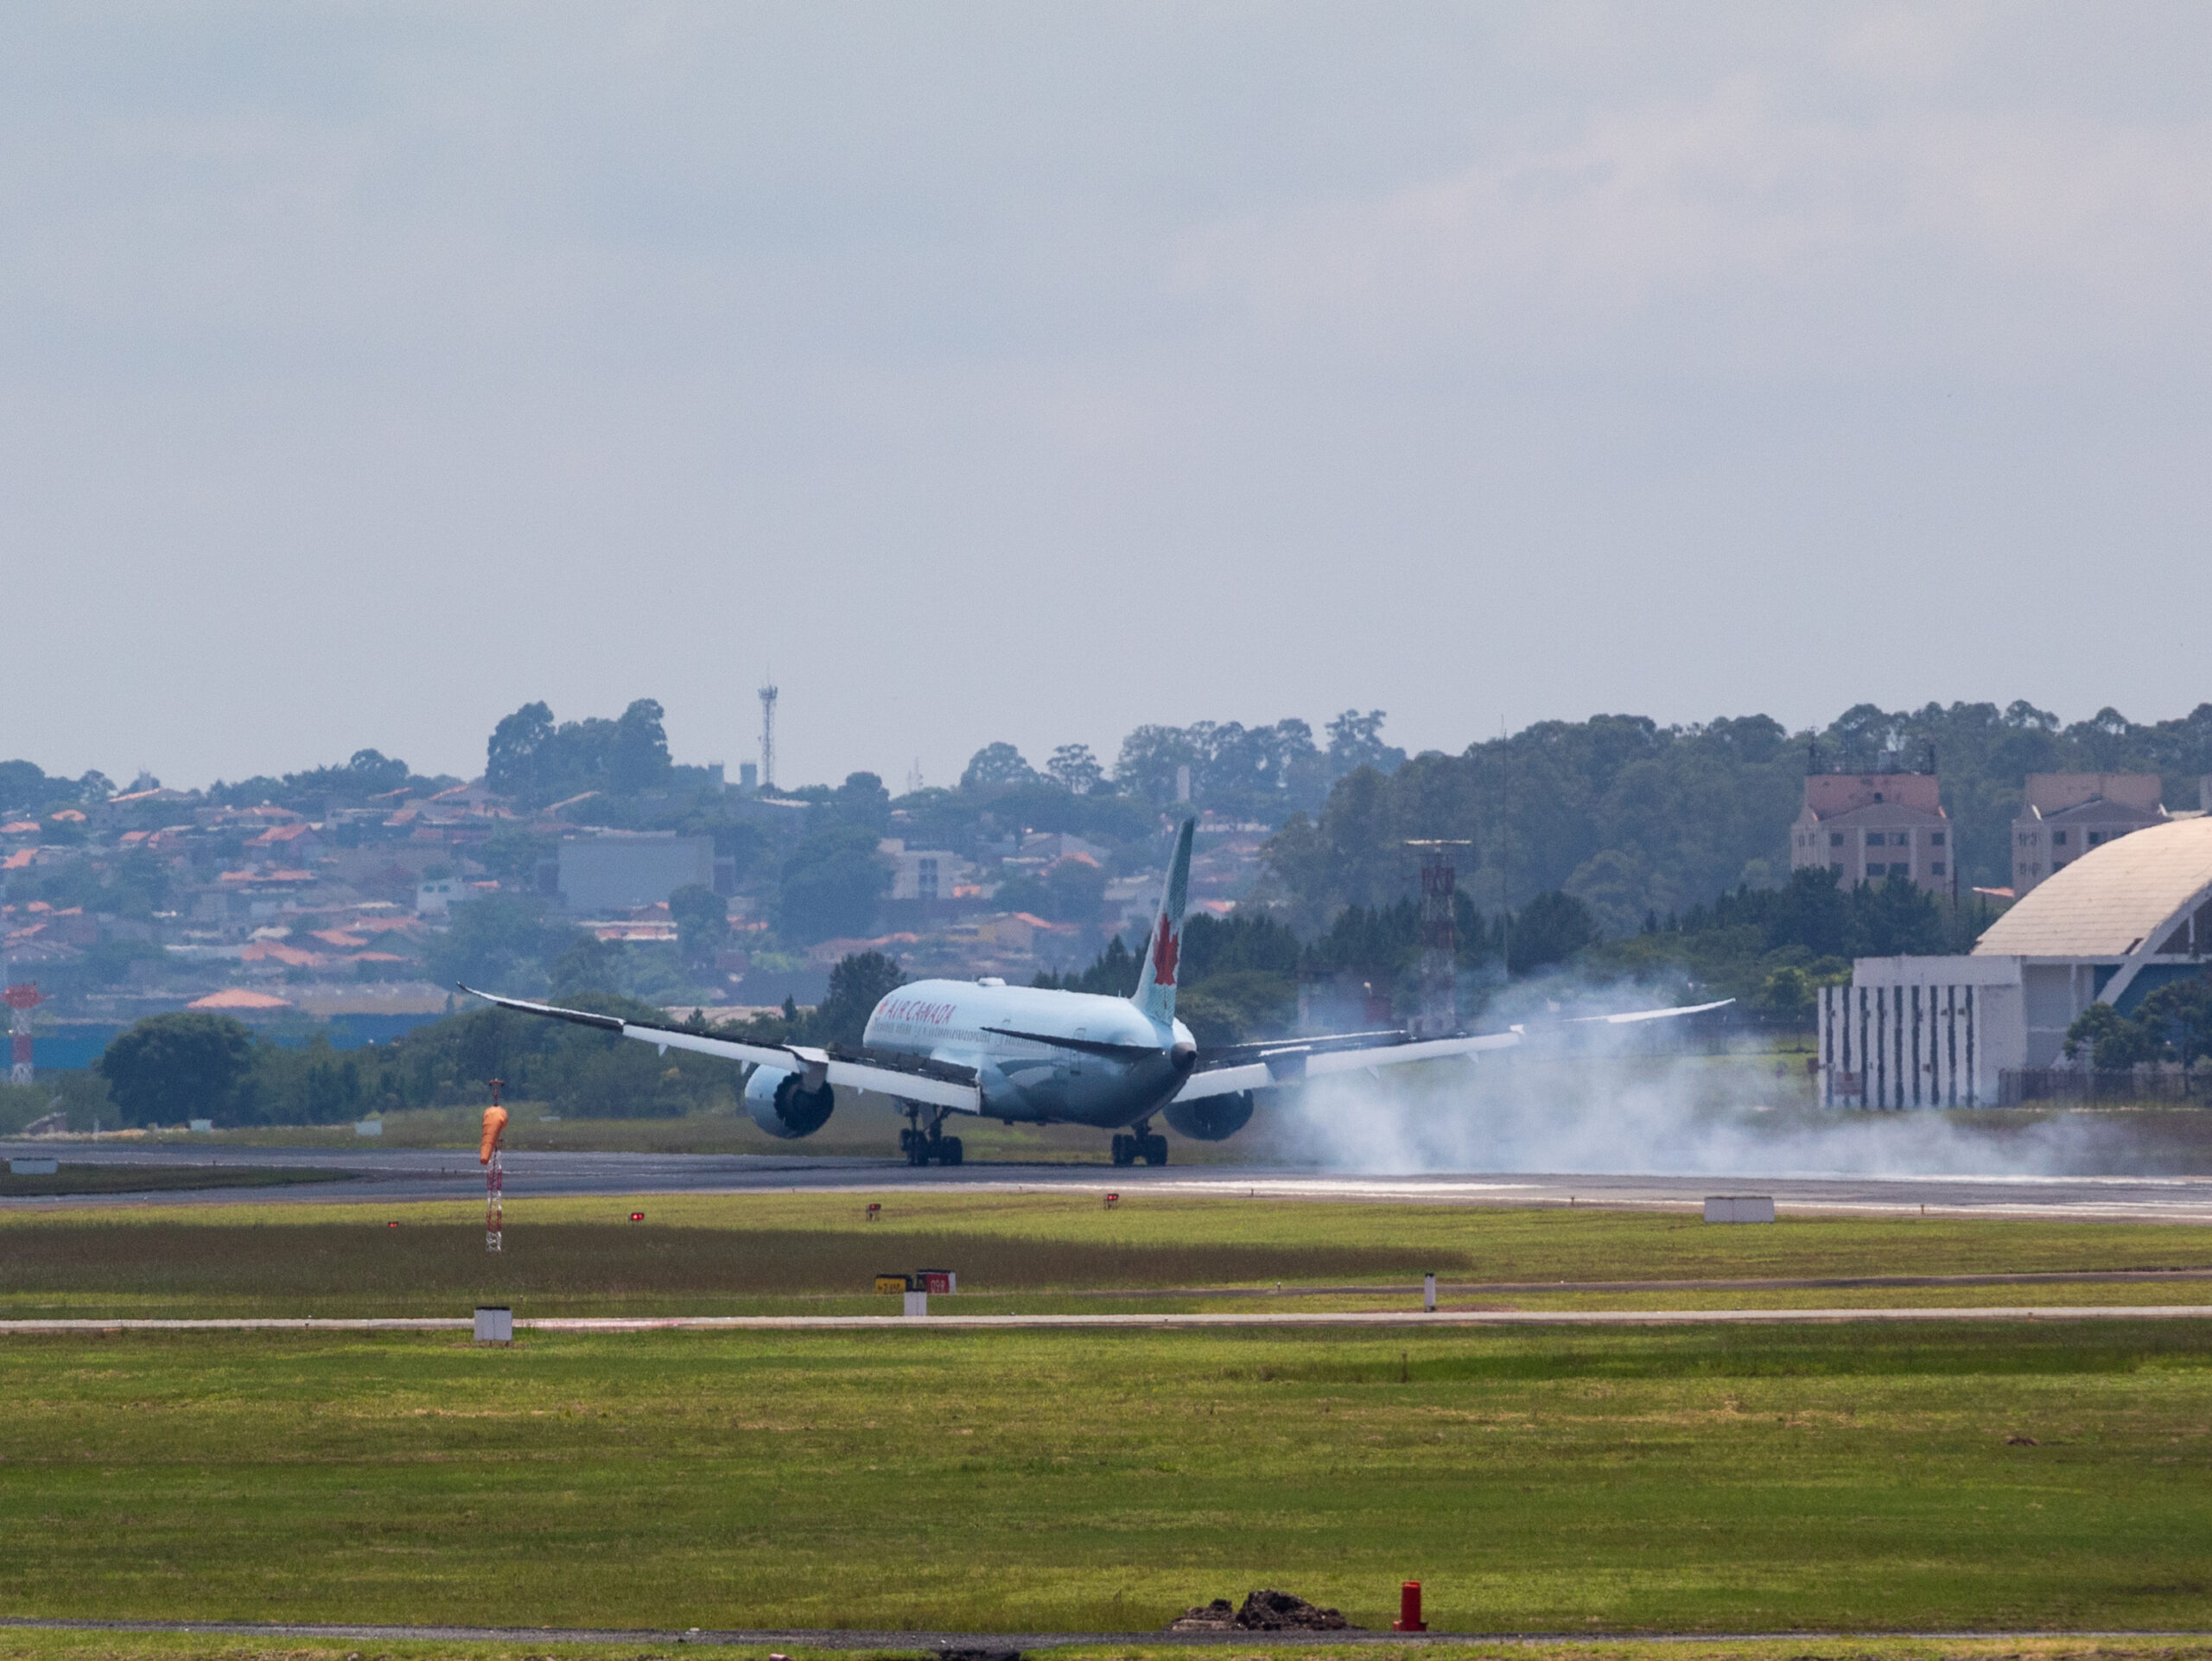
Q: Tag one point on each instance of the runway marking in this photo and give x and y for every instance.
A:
(1369, 1317)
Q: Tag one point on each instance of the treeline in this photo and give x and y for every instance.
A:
(1768, 948)
(1633, 819)
(170, 1069)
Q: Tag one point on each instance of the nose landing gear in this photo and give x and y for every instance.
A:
(1142, 1143)
(921, 1145)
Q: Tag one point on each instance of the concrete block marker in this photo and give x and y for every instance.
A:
(1739, 1208)
(495, 1323)
(33, 1167)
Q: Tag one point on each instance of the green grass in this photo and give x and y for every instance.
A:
(812, 1252)
(1578, 1480)
(34, 1644)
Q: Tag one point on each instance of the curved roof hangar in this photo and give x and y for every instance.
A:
(2146, 893)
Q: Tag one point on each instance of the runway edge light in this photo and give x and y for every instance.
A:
(1409, 1619)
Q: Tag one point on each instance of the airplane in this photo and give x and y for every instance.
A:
(1033, 1055)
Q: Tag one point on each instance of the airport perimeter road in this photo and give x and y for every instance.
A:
(402, 1175)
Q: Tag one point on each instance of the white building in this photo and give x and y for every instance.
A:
(922, 873)
(2127, 917)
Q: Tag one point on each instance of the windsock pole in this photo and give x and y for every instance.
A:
(487, 1155)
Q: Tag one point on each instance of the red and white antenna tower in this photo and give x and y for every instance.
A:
(21, 998)
(1440, 955)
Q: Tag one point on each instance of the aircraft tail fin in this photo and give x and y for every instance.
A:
(1156, 993)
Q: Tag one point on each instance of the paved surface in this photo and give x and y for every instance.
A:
(405, 1175)
(985, 1643)
(1395, 1319)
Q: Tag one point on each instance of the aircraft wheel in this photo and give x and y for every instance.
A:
(949, 1151)
(1123, 1154)
(1155, 1150)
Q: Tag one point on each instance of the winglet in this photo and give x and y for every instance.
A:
(1156, 993)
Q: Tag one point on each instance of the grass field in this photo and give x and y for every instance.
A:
(1052, 1250)
(2030, 1476)
(2047, 1476)
(32, 1645)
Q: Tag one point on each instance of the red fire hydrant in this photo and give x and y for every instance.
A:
(1409, 1619)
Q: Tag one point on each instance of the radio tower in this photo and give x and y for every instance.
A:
(21, 999)
(1439, 1000)
(768, 737)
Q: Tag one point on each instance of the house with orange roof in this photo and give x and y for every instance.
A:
(297, 840)
(237, 1000)
(290, 956)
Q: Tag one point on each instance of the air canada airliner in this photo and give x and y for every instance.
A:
(1030, 1055)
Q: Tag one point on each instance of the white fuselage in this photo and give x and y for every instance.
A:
(1024, 1079)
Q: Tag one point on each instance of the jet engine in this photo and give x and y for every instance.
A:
(781, 1105)
(1210, 1118)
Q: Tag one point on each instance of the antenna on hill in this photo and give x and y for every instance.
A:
(768, 735)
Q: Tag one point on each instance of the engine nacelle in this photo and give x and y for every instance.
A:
(1210, 1118)
(781, 1105)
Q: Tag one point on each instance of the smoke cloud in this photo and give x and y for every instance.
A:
(1603, 1100)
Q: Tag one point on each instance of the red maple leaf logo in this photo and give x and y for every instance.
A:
(1164, 950)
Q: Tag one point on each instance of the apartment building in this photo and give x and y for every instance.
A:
(1875, 827)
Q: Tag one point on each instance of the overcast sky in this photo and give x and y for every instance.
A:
(1028, 372)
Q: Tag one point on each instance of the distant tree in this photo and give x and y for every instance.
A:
(1356, 741)
(23, 786)
(1075, 769)
(1114, 975)
(1549, 929)
(2114, 1041)
(1788, 996)
(95, 786)
(860, 803)
(996, 765)
(857, 983)
(167, 1069)
(832, 883)
(2172, 1024)
(1150, 759)
(500, 942)
(516, 754)
(702, 921)
(1078, 889)
(587, 964)
(1891, 919)
(639, 760)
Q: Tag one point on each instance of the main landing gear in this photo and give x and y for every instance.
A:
(1142, 1143)
(920, 1146)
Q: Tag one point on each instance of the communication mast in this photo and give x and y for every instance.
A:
(21, 998)
(768, 736)
(1438, 1015)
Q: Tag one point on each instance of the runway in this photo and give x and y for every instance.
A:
(1395, 1319)
(401, 1174)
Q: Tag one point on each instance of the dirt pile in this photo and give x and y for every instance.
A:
(1264, 1612)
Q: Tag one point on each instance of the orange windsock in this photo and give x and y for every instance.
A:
(495, 1126)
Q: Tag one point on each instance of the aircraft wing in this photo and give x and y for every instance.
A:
(1263, 1066)
(939, 1083)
